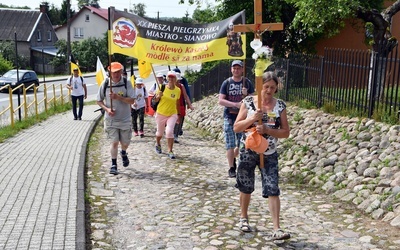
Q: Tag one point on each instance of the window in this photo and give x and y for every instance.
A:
(49, 35)
(78, 32)
(39, 36)
(87, 18)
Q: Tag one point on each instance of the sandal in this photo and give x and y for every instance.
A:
(280, 235)
(244, 225)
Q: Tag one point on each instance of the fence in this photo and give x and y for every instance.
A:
(210, 83)
(361, 82)
(31, 105)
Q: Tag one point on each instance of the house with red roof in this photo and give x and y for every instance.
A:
(88, 22)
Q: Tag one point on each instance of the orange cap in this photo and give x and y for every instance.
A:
(115, 66)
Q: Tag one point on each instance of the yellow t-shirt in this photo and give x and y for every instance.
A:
(167, 104)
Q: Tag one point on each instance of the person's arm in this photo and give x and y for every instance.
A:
(152, 90)
(187, 99)
(223, 102)
(124, 99)
(85, 89)
(69, 86)
(178, 106)
(187, 88)
(243, 122)
(282, 132)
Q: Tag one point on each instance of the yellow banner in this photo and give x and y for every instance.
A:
(170, 43)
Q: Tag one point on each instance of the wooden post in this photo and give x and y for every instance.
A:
(258, 28)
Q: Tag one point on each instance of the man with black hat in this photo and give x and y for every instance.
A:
(232, 91)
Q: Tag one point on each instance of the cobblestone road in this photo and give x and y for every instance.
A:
(190, 203)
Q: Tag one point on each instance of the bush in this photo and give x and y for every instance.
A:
(4, 65)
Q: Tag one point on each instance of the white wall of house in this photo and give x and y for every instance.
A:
(83, 26)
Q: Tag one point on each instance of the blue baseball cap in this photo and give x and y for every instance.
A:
(237, 62)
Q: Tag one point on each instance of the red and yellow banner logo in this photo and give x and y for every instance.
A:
(169, 43)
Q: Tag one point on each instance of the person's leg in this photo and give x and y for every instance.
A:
(114, 153)
(274, 205)
(230, 155)
(125, 139)
(80, 112)
(238, 137)
(245, 180)
(270, 190)
(181, 125)
(160, 122)
(134, 114)
(244, 204)
(176, 132)
(169, 134)
(141, 120)
(113, 136)
(73, 100)
(230, 144)
(114, 149)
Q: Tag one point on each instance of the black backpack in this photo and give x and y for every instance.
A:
(153, 103)
(106, 85)
(70, 79)
(105, 88)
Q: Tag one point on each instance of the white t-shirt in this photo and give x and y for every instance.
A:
(140, 96)
(77, 85)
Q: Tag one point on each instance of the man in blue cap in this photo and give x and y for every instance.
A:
(232, 91)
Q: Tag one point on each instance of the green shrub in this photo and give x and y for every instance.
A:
(5, 65)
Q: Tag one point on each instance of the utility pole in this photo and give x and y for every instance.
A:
(69, 35)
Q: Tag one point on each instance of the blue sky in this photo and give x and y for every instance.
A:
(166, 8)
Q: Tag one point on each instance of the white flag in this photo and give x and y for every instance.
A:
(100, 72)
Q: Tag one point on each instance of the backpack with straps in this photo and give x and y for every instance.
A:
(106, 86)
(70, 79)
(119, 85)
(153, 102)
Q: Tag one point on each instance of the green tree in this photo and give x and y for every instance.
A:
(326, 18)
(86, 53)
(206, 15)
(7, 50)
(139, 9)
(14, 7)
(54, 15)
(63, 12)
(5, 65)
(308, 21)
(93, 3)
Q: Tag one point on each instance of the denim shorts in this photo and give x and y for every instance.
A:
(245, 176)
(232, 139)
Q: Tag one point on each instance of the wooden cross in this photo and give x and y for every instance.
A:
(258, 28)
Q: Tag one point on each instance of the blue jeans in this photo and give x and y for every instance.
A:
(74, 99)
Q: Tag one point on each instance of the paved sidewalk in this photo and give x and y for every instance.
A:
(42, 184)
